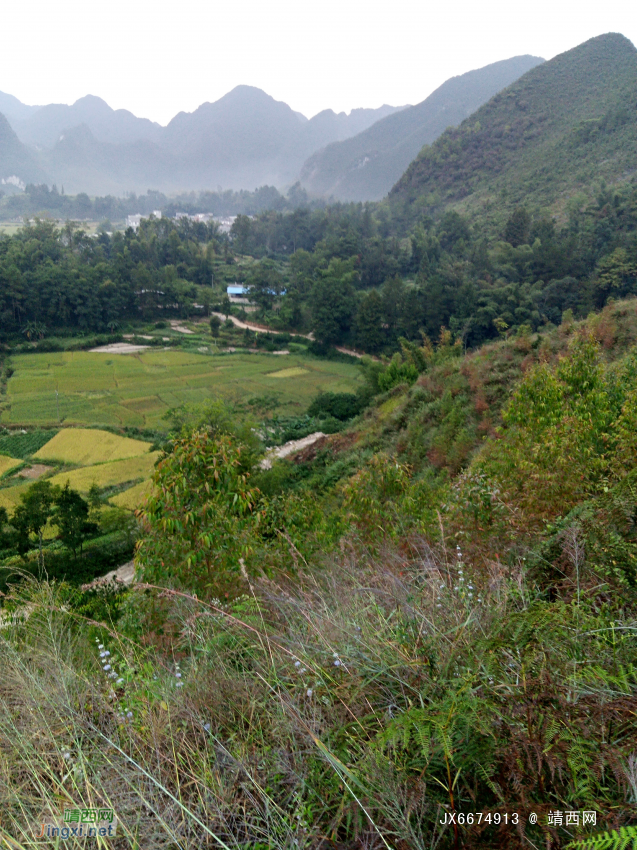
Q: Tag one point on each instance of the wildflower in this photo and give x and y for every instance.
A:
(303, 670)
(66, 756)
(297, 663)
(335, 654)
(129, 714)
(337, 663)
(100, 646)
(180, 684)
(309, 692)
(178, 675)
(206, 727)
(119, 682)
(107, 667)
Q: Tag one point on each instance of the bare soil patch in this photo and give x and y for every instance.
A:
(35, 471)
(119, 348)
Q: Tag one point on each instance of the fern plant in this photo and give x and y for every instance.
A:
(624, 838)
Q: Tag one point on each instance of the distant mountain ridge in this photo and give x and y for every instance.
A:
(366, 166)
(243, 140)
(558, 130)
(17, 163)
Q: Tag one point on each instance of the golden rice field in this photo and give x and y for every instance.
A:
(138, 389)
(7, 463)
(102, 458)
(85, 446)
(10, 496)
(134, 496)
(108, 474)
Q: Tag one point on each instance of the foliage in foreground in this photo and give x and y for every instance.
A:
(357, 705)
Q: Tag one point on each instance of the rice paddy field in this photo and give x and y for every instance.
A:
(97, 458)
(94, 388)
(7, 463)
(82, 446)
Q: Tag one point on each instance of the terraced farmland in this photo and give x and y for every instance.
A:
(115, 389)
(85, 446)
(99, 457)
(7, 463)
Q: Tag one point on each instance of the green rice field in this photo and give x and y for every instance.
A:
(137, 389)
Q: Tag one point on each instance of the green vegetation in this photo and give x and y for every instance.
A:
(23, 444)
(431, 613)
(556, 132)
(125, 390)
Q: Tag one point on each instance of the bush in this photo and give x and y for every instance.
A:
(342, 406)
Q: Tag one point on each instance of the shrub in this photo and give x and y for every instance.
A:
(341, 406)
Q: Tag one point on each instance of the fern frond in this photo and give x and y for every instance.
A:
(624, 838)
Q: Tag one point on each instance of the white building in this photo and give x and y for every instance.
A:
(134, 220)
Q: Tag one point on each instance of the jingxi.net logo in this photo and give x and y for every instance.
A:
(79, 823)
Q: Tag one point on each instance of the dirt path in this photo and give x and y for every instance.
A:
(263, 329)
(289, 448)
(257, 328)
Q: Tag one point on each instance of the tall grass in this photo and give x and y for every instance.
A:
(352, 707)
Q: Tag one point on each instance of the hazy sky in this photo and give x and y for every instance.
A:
(158, 58)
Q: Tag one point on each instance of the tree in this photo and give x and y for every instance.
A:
(32, 515)
(5, 537)
(226, 305)
(215, 325)
(264, 285)
(197, 522)
(369, 329)
(332, 302)
(72, 518)
(518, 228)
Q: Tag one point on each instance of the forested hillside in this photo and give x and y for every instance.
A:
(553, 134)
(366, 166)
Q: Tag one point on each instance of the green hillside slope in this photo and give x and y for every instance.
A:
(365, 167)
(557, 131)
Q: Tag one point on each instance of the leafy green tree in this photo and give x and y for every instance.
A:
(215, 325)
(226, 305)
(518, 228)
(72, 518)
(5, 536)
(197, 524)
(264, 285)
(33, 513)
(369, 322)
(332, 302)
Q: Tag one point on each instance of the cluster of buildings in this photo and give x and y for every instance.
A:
(134, 220)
